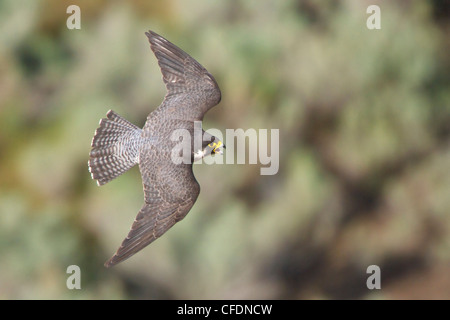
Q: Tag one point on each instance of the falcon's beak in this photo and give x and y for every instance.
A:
(218, 147)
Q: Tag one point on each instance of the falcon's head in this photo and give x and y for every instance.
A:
(215, 147)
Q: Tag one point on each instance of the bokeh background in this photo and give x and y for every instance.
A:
(364, 179)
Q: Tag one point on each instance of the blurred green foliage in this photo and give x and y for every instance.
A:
(364, 119)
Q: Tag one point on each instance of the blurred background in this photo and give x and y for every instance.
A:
(364, 178)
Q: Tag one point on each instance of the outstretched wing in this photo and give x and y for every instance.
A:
(191, 89)
(170, 191)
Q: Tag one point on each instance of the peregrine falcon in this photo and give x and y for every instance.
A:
(170, 189)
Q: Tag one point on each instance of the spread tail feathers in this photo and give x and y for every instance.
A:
(115, 148)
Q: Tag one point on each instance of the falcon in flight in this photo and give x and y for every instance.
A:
(170, 188)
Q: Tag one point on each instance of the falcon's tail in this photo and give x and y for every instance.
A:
(115, 148)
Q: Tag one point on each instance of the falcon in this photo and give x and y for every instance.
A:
(170, 188)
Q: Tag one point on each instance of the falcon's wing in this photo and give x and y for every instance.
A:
(191, 89)
(170, 191)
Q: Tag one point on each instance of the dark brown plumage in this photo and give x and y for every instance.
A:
(170, 189)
